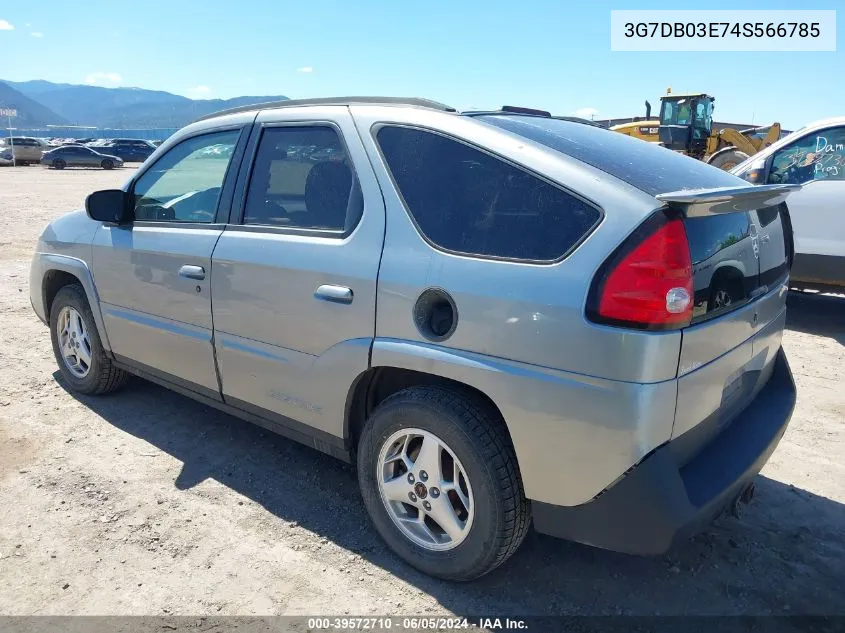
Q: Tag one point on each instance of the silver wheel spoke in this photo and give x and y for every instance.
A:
(74, 325)
(457, 490)
(444, 515)
(428, 458)
(418, 525)
(83, 354)
(402, 455)
(397, 489)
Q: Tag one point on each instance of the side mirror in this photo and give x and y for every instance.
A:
(756, 173)
(109, 205)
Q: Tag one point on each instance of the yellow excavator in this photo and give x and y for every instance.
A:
(686, 125)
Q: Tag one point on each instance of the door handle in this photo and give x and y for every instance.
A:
(334, 294)
(192, 272)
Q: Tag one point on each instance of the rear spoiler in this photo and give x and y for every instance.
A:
(700, 202)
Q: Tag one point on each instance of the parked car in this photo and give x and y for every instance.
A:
(813, 157)
(539, 353)
(6, 157)
(128, 149)
(79, 156)
(26, 150)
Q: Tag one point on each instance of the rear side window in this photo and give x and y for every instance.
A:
(466, 201)
(302, 178)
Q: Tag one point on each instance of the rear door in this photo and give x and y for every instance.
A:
(294, 274)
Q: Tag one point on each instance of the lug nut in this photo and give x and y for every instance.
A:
(423, 475)
(410, 478)
(426, 505)
(412, 497)
(434, 492)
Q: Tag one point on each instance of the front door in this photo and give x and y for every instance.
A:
(294, 275)
(153, 276)
(817, 162)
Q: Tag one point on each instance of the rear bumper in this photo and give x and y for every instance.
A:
(659, 503)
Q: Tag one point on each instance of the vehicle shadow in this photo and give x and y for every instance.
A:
(814, 313)
(785, 556)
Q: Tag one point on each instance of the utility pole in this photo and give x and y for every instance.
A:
(9, 113)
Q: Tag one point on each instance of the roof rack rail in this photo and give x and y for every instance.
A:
(290, 103)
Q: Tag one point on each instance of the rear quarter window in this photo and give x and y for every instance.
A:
(467, 201)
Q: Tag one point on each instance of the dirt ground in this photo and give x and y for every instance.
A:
(145, 502)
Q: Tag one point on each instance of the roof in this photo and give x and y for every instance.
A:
(680, 95)
(402, 101)
(292, 103)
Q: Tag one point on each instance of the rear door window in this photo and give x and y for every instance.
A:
(467, 201)
(303, 179)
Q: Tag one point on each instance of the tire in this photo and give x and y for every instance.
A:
(727, 160)
(724, 292)
(59, 164)
(107, 164)
(101, 375)
(475, 435)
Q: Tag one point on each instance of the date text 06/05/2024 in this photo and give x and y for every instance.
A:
(415, 623)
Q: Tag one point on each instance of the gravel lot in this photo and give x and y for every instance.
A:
(145, 502)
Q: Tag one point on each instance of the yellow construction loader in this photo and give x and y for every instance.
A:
(685, 125)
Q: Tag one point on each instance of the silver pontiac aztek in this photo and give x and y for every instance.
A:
(503, 318)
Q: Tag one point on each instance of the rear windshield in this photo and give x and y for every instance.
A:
(646, 166)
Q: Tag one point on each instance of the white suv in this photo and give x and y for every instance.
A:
(814, 157)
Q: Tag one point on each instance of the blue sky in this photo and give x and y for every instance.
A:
(550, 54)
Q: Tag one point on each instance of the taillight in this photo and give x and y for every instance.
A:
(647, 283)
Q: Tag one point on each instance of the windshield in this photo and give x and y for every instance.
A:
(648, 167)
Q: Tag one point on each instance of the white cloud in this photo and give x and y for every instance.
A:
(305, 69)
(96, 79)
(37, 34)
(27, 25)
(586, 113)
(199, 92)
(5, 26)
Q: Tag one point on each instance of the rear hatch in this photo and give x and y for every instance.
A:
(740, 245)
(741, 248)
(737, 241)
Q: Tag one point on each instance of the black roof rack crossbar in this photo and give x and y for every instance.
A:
(522, 110)
(290, 103)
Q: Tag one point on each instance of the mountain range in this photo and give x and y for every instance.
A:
(41, 103)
